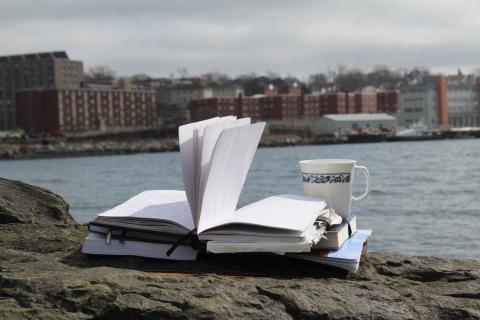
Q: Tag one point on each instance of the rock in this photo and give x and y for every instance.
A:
(43, 275)
(20, 202)
(66, 149)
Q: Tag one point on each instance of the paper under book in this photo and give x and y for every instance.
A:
(216, 155)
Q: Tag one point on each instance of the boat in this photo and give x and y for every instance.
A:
(415, 133)
(366, 137)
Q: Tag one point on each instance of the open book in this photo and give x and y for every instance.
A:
(215, 156)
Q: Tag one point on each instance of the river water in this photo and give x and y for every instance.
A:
(425, 199)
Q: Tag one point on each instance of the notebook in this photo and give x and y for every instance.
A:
(215, 157)
(337, 234)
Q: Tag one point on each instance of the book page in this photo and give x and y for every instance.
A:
(230, 162)
(169, 205)
(210, 137)
(288, 212)
(188, 154)
(96, 244)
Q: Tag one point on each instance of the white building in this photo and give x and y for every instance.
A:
(463, 106)
(348, 123)
(439, 102)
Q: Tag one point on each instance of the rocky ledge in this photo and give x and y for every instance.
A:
(43, 275)
(85, 148)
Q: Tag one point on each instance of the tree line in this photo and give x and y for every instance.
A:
(341, 79)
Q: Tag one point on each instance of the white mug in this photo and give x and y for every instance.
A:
(332, 180)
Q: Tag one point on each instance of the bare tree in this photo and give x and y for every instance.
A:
(216, 77)
(382, 76)
(100, 74)
(272, 75)
(350, 80)
(183, 73)
(317, 81)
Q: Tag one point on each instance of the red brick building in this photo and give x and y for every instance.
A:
(364, 102)
(256, 107)
(281, 107)
(388, 101)
(251, 107)
(315, 106)
(83, 110)
(201, 109)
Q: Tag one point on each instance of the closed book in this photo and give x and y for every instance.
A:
(337, 235)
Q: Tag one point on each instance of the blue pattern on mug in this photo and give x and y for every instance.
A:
(326, 177)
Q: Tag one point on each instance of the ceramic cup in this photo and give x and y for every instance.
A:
(332, 180)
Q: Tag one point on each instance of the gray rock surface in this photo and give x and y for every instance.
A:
(43, 275)
(20, 202)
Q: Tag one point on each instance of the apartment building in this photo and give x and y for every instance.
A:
(281, 107)
(34, 70)
(85, 110)
(438, 102)
(388, 101)
(202, 109)
(174, 101)
(317, 105)
(251, 107)
(364, 101)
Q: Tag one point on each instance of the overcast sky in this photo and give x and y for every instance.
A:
(289, 37)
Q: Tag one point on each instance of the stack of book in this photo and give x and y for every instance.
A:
(215, 157)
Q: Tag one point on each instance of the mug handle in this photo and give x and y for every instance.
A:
(368, 185)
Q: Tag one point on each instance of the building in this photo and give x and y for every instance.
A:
(388, 101)
(463, 105)
(316, 105)
(364, 101)
(182, 95)
(281, 107)
(347, 123)
(174, 101)
(34, 70)
(258, 107)
(438, 102)
(85, 110)
(251, 107)
(202, 109)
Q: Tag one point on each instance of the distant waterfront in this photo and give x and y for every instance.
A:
(131, 143)
(424, 200)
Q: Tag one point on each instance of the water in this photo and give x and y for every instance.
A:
(425, 198)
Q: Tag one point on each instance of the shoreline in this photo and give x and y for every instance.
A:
(46, 149)
(53, 148)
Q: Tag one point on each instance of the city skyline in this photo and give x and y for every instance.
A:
(241, 37)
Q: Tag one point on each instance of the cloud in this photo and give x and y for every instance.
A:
(297, 37)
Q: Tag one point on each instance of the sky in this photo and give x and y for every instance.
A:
(297, 38)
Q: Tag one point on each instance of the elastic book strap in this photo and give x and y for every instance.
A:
(192, 236)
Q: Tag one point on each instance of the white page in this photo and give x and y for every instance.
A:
(188, 151)
(170, 205)
(210, 136)
(198, 142)
(231, 160)
(96, 244)
(272, 247)
(289, 212)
